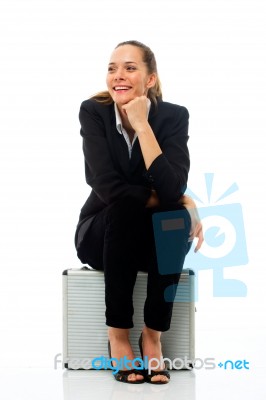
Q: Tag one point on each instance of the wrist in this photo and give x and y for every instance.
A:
(141, 128)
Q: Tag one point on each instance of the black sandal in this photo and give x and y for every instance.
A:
(148, 377)
(164, 372)
(122, 376)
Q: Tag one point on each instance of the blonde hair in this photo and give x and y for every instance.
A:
(155, 92)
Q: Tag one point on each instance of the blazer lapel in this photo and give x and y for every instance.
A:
(136, 156)
(119, 147)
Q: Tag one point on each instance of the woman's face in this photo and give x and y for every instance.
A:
(127, 75)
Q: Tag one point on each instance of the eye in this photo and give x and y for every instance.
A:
(131, 68)
(111, 69)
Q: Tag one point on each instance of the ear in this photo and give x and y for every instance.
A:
(151, 80)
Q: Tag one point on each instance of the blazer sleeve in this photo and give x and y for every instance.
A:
(169, 171)
(100, 172)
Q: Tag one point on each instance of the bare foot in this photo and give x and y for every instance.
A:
(152, 348)
(120, 347)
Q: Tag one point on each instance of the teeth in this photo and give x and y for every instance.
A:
(121, 88)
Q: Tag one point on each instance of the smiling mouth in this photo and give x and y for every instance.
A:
(121, 88)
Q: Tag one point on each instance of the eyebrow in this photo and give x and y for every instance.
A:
(127, 62)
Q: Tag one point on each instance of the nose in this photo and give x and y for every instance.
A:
(119, 74)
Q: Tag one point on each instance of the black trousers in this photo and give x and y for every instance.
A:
(120, 241)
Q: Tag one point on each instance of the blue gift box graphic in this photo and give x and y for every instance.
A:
(224, 243)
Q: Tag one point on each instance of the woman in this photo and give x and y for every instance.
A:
(136, 163)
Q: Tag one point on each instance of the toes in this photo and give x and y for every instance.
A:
(132, 377)
(159, 378)
(135, 377)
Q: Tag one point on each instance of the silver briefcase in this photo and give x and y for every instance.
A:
(85, 332)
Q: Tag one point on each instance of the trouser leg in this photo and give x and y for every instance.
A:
(111, 244)
(162, 283)
(121, 245)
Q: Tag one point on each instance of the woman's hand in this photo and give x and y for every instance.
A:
(153, 200)
(196, 225)
(186, 201)
(136, 111)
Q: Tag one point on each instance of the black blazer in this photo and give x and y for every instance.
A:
(110, 172)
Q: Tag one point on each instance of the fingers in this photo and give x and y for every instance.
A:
(137, 100)
(199, 235)
(136, 111)
(196, 225)
(200, 241)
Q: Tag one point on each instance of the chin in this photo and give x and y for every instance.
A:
(121, 102)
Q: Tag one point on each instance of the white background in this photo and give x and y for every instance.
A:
(54, 54)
